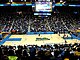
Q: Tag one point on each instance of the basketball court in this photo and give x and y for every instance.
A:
(38, 40)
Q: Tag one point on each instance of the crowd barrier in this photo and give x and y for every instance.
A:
(32, 33)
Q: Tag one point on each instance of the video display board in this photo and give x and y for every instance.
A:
(43, 6)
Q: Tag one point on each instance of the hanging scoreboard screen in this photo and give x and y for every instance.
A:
(43, 6)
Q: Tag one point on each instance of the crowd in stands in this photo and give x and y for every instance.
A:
(65, 22)
(39, 25)
(43, 52)
(57, 22)
(20, 24)
(23, 23)
(10, 22)
(5, 22)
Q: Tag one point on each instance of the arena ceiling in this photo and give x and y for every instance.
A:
(23, 1)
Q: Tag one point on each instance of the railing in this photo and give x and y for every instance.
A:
(31, 33)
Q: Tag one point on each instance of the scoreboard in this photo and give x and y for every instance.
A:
(43, 6)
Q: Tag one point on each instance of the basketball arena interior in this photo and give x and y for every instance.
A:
(39, 29)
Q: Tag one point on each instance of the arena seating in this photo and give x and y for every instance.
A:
(24, 23)
(57, 22)
(47, 52)
(21, 24)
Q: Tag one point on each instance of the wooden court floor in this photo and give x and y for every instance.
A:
(31, 40)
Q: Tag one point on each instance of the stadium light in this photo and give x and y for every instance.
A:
(54, 1)
(10, 0)
(61, 0)
(24, 0)
(21, 0)
(35, 0)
